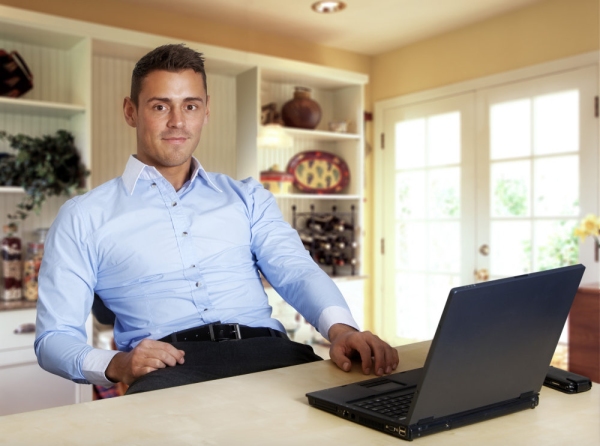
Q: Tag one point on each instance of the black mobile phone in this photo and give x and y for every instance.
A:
(566, 382)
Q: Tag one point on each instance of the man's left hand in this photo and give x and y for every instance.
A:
(376, 355)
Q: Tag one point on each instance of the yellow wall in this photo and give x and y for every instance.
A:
(546, 31)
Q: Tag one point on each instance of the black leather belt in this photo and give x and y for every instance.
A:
(222, 332)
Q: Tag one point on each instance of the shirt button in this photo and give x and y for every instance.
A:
(198, 284)
(174, 204)
(184, 233)
(153, 184)
(193, 266)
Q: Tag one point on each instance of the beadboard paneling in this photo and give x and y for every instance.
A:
(112, 139)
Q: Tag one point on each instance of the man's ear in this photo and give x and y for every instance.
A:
(130, 112)
(206, 116)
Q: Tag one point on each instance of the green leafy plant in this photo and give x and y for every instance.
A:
(43, 166)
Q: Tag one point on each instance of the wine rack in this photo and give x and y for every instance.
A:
(330, 238)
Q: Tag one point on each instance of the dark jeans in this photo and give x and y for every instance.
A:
(205, 361)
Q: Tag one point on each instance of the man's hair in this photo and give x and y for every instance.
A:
(173, 58)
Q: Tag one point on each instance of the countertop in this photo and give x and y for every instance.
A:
(270, 408)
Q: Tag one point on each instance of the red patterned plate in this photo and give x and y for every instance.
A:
(319, 172)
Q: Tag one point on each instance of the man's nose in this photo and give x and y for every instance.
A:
(176, 119)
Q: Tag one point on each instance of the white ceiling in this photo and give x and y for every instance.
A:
(367, 27)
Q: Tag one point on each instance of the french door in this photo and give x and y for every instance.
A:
(483, 185)
(430, 183)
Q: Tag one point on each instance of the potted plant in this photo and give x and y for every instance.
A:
(43, 166)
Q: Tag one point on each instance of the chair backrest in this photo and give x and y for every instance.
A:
(101, 312)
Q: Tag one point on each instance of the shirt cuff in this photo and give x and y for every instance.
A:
(95, 364)
(335, 315)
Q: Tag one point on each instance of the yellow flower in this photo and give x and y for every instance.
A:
(590, 226)
(578, 232)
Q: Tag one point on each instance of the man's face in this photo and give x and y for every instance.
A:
(172, 109)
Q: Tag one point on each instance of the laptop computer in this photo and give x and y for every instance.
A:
(489, 357)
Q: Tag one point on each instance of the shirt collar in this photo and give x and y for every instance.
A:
(136, 170)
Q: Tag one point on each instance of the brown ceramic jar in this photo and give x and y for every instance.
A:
(301, 112)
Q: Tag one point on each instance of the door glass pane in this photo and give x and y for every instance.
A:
(443, 139)
(555, 245)
(556, 123)
(444, 247)
(510, 249)
(510, 129)
(510, 189)
(410, 144)
(438, 286)
(411, 306)
(556, 186)
(444, 193)
(411, 238)
(410, 194)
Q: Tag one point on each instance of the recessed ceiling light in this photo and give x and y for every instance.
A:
(327, 7)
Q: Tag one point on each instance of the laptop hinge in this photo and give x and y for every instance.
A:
(527, 395)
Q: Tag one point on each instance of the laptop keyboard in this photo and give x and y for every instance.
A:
(390, 406)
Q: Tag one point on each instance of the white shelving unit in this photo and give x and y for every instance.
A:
(60, 99)
(82, 72)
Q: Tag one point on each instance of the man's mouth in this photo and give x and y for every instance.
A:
(175, 139)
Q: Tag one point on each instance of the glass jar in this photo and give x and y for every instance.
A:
(31, 265)
(11, 263)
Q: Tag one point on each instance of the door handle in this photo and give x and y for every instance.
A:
(481, 274)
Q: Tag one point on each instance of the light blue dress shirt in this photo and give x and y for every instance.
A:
(164, 260)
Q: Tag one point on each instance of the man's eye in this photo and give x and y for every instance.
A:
(191, 107)
(160, 107)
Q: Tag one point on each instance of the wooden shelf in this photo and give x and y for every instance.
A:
(42, 108)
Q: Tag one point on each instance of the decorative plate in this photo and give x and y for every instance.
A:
(319, 172)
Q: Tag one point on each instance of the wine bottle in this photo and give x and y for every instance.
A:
(341, 258)
(318, 222)
(307, 239)
(324, 258)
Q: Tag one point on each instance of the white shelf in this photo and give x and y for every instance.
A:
(320, 135)
(42, 108)
(11, 190)
(319, 196)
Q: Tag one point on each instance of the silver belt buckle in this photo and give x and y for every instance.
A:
(236, 329)
(218, 337)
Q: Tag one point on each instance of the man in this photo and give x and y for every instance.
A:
(175, 252)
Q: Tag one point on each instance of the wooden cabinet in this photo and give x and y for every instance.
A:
(584, 332)
(24, 385)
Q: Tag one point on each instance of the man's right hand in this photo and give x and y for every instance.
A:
(146, 357)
